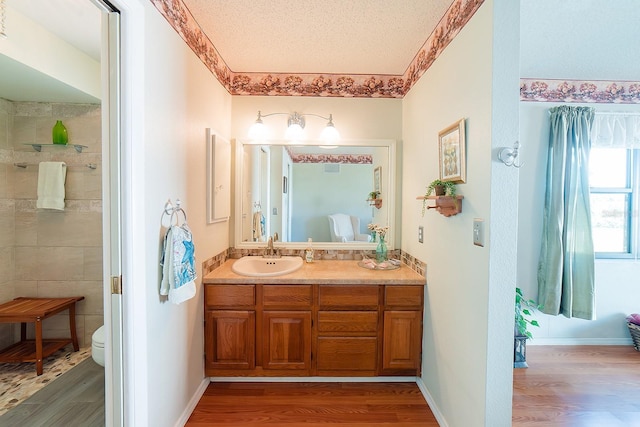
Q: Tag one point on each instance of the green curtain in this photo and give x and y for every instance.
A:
(566, 267)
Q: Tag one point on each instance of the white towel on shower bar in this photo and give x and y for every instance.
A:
(51, 178)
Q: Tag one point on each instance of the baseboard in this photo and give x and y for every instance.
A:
(193, 402)
(313, 379)
(579, 341)
(432, 404)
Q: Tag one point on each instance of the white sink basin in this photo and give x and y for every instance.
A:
(260, 266)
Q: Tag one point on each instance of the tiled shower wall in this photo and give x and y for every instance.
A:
(7, 220)
(48, 253)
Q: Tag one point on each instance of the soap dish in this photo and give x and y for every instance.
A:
(370, 264)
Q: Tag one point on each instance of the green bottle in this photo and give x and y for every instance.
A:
(59, 133)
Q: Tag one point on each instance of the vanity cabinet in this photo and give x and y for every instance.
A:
(347, 332)
(402, 335)
(312, 330)
(231, 343)
(230, 327)
(286, 327)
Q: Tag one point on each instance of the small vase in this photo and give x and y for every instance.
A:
(59, 133)
(381, 250)
(373, 236)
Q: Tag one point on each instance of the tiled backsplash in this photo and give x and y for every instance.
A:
(329, 254)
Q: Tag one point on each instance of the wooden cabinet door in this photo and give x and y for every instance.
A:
(230, 338)
(286, 340)
(402, 339)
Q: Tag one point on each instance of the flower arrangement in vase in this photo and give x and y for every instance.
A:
(381, 249)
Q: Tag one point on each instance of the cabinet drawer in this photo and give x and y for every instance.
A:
(230, 295)
(347, 354)
(403, 296)
(287, 296)
(347, 321)
(348, 297)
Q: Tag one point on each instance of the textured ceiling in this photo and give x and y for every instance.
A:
(311, 36)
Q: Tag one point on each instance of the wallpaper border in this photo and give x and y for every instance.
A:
(585, 91)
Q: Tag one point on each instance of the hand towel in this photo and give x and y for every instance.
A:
(258, 226)
(178, 265)
(51, 178)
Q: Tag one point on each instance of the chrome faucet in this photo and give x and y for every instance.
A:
(270, 252)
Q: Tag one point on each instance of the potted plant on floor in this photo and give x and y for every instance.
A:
(523, 319)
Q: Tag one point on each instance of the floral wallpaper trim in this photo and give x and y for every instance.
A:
(592, 91)
(354, 159)
(447, 29)
(329, 85)
(180, 18)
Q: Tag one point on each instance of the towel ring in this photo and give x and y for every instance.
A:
(176, 214)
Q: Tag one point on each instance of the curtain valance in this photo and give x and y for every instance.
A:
(615, 131)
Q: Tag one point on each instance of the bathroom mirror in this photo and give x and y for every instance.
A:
(290, 189)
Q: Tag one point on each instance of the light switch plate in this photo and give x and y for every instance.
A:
(478, 232)
(420, 234)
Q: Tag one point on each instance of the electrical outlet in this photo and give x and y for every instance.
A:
(478, 232)
(420, 234)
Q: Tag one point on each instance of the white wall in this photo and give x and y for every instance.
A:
(32, 45)
(580, 39)
(468, 323)
(559, 45)
(170, 98)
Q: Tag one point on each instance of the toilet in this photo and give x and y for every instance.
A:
(97, 346)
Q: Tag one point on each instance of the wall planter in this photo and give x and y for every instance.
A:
(445, 205)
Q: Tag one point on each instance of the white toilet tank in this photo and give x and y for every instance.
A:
(97, 346)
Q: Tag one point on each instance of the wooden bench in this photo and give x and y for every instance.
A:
(35, 310)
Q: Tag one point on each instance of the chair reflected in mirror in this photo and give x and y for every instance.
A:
(346, 228)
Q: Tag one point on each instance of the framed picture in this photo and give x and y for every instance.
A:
(377, 179)
(452, 155)
(218, 178)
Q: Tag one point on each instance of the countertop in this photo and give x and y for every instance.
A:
(322, 272)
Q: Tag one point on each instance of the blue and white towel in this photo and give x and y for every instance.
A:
(178, 265)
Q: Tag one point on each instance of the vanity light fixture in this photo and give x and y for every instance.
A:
(295, 127)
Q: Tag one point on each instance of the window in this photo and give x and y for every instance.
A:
(613, 177)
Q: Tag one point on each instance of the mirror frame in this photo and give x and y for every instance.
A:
(388, 199)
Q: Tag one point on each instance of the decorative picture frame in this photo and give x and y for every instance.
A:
(218, 178)
(377, 179)
(452, 155)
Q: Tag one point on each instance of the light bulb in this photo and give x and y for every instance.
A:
(330, 134)
(258, 131)
(294, 132)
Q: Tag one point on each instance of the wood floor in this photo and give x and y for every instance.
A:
(312, 405)
(582, 386)
(76, 399)
(564, 386)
